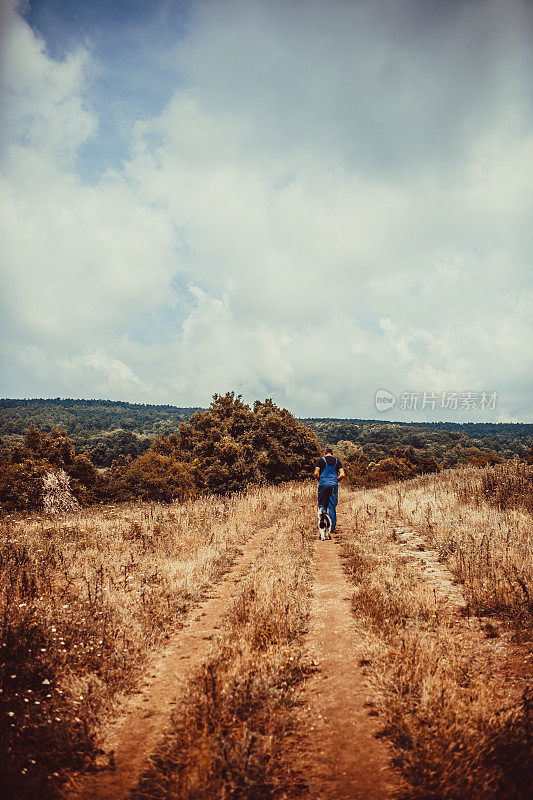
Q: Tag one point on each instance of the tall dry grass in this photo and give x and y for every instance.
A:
(454, 703)
(84, 600)
(487, 543)
(226, 732)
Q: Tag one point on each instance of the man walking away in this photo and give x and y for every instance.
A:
(328, 472)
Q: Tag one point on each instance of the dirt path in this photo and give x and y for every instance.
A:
(336, 748)
(497, 653)
(416, 549)
(145, 716)
(335, 744)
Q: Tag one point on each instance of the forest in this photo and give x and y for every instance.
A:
(507, 439)
(104, 429)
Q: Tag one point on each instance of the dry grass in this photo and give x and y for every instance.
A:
(453, 699)
(508, 485)
(490, 548)
(226, 733)
(84, 600)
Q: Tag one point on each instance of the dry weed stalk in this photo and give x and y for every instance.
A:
(489, 548)
(57, 497)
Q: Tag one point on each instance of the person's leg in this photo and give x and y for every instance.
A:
(332, 507)
(324, 493)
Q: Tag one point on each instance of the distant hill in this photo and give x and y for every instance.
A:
(106, 429)
(506, 439)
(86, 417)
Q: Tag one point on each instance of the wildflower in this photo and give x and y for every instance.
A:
(46, 682)
(10, 713)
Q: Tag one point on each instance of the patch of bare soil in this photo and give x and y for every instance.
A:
(336, 746)
(133, 736)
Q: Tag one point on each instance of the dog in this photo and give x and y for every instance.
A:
(324, 524)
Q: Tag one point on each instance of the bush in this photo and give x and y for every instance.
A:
(222, 450)
(21, 484)
(230, 446)
(152, 476)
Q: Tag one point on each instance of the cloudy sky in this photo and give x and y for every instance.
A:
(308, 200)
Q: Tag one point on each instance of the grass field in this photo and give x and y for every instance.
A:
(87, 599)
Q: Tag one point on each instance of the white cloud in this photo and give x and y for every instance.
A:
(345, 192)
(82, 264)
(42, 99)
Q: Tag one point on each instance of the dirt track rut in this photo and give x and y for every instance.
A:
(145, 716)
(336, 746)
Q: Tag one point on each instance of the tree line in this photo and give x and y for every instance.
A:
(106, 430)
(84, 418)
(224, 449)
(445, 441)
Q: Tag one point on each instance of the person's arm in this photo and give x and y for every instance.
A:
(316, 473)
(341, 474)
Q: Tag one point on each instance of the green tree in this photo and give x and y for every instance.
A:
(230, 446)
